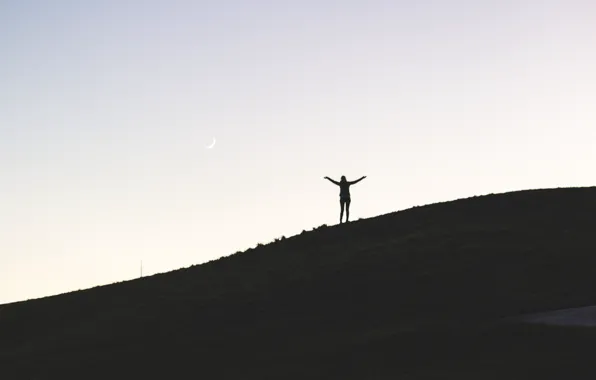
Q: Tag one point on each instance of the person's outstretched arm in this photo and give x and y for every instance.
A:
(329, 179)
(358, 180)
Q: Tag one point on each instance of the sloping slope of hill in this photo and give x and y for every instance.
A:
(391, 295)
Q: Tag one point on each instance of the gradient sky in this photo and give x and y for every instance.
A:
(106, 108)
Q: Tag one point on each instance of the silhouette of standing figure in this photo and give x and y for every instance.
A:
(344, 195)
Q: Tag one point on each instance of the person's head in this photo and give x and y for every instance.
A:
(343, 178)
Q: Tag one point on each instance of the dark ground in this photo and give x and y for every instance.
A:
(417, 294)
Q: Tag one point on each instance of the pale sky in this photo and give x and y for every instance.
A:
(106, 108)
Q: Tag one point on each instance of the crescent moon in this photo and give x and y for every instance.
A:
(212, 144)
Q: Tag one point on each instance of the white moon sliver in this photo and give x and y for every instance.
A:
(212, 144)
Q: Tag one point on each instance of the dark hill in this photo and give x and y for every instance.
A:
(415, 294)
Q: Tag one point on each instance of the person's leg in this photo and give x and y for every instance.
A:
(341, 213)
(348, 201)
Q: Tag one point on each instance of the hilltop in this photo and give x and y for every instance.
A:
(419, 293)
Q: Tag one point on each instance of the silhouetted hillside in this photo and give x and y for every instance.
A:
(413, 294)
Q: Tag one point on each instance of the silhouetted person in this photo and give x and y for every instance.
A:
(344, 195)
